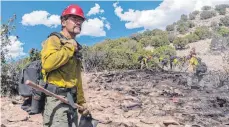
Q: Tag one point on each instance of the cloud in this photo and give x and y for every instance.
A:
(166, 13)
(95, 10)
(108, 26)
(106, 23)
(40, 18)
(95, 27)
(91, 27)
(15, 49)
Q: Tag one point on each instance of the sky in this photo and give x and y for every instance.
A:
(105, 19)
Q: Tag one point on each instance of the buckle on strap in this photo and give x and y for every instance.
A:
(55, 89)
(71, 100)
(65, 90)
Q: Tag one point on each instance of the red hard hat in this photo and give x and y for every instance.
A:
(73, 10)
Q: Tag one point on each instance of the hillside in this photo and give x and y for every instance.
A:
(214, 62)
(199, 29)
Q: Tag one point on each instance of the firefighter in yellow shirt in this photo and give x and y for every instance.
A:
(193, 61)
(61, 69)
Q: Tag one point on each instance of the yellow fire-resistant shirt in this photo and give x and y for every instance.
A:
(175, 61)
(61, 66)
(193, 62)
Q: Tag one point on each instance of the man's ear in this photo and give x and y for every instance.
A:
(64, 22)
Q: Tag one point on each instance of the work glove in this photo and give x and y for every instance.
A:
(85, 111)
(71, 41)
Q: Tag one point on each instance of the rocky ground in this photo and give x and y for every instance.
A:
(146, 99)
(143, 98)
(13, 116)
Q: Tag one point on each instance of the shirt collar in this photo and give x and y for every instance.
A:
(68, 37)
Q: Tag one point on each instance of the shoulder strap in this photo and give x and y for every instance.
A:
(59, 35)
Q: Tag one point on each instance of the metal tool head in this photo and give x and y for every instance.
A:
(88, 121)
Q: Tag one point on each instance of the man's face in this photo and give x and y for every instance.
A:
(73, 24)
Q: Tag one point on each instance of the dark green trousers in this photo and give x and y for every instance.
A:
(56, 114)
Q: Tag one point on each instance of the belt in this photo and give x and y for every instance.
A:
(70, 93)
(65, 90)
(60, 90)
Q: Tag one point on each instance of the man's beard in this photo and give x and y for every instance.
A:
(76, 31)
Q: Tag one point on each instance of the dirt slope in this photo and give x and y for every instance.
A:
(144, 99)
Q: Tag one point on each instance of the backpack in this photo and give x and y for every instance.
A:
(140, 58)
(201, 68)
(35, 100)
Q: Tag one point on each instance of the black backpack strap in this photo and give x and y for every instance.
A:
(72, 111)
(59, 35)
(22, 76)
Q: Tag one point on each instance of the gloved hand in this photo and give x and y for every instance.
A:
(85, 111)
(71, 41)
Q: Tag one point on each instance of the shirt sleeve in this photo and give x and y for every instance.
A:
(54, 54)
(80, 93)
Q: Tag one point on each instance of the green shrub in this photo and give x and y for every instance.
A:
(206, 8)
(146, 41)
(195, 12)
(164, 51)
(223, 31)
(171, 37)
(225, 21)
(192, 16)
(121, 53)
(9, 68)
(158, 41)
(34, 54)
(207, 14)
(154, 32)
(136, 37)
(180, 43)
(202, 32)
(192, 38)
(184, 17)
(221, 9)
(219, 43)
(170, 28)
(147, 33)
(191, 24)
(182, 27)
(159, 32)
